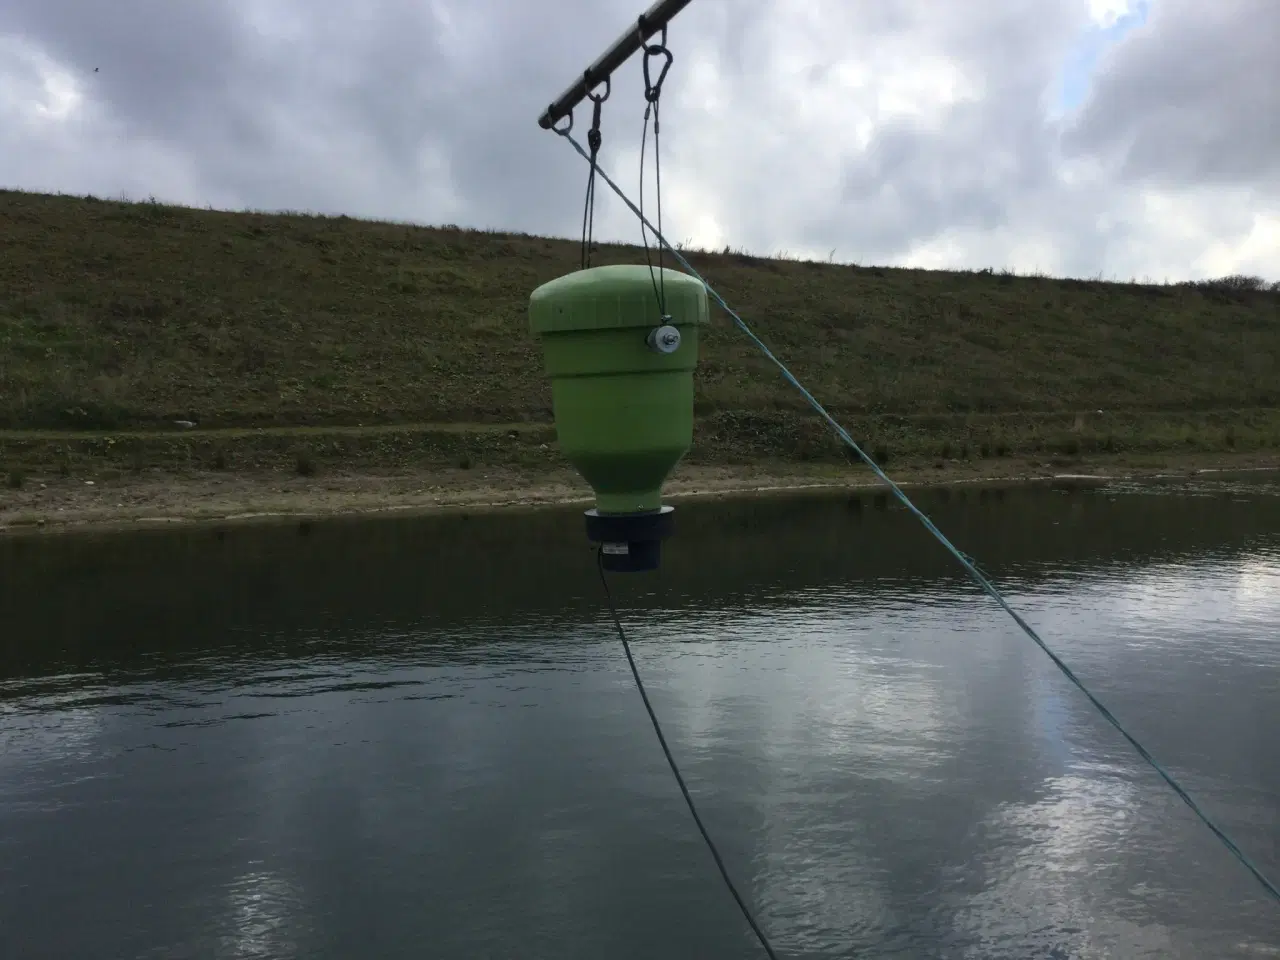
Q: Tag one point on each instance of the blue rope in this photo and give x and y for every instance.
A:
(969, 566)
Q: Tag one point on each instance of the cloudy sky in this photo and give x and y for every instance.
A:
(1127, 138)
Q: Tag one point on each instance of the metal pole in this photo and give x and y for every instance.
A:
(650, 22)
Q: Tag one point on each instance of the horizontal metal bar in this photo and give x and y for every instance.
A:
(650, 22)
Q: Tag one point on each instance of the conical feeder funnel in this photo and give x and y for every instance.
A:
(622, 392)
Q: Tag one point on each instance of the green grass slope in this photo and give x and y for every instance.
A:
(125, 317)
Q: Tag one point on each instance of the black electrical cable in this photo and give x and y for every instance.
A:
(675, 770)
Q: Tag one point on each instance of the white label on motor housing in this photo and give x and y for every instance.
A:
(616, 549)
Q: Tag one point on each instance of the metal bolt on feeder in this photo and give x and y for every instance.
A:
(622, 393)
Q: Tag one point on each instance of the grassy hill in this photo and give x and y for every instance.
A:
(396, 343)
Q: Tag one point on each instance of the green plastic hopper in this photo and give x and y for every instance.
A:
(621, 376)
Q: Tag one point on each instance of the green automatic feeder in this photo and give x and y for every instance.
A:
(622, 391)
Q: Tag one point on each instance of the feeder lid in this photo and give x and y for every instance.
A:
(618, 296)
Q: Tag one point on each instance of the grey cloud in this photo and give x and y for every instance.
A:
(978, 163)
(913, 183)
(426, 110)
(199, 78)
(1193, 97)
(165, 68)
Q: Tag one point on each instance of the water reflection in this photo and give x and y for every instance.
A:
(259, 909)
(419, 738)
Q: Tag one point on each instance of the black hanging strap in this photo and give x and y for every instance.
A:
(653, 97)
(594, 140)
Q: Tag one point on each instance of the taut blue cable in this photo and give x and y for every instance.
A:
(972, 569)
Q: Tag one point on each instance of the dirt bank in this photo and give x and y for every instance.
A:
(113, 500)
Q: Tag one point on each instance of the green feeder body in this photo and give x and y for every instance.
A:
(621, 376)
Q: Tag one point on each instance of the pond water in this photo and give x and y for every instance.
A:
(419, 738)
